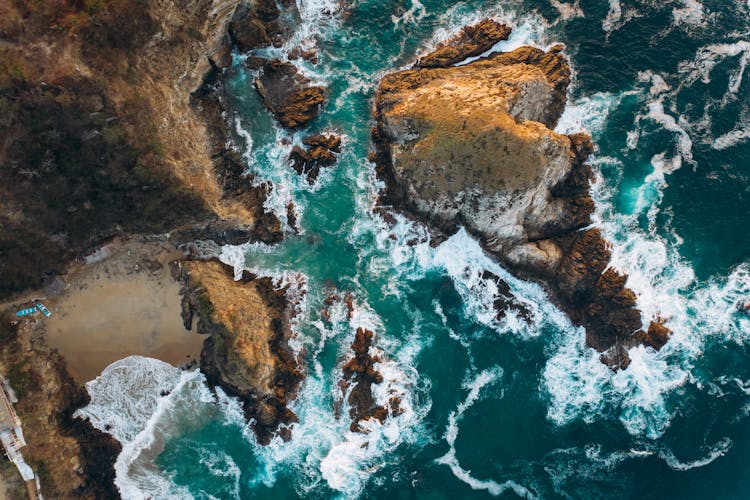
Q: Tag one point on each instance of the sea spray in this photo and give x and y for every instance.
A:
(143, 403)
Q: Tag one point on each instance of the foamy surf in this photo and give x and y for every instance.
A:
(664, 283)
(143, 402)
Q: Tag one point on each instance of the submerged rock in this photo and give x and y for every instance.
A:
(505, 301)
(474, 145)
(288, 94)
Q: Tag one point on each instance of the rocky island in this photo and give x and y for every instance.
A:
(474, 145)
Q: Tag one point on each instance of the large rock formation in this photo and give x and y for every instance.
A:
(248, 352)
(474, 145)
(288, 94)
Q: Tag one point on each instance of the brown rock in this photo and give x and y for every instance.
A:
(360, 372)
(319, 153)
(249, 33)
(288, 94)
(657, 335)
(248, 352)
(332, 142)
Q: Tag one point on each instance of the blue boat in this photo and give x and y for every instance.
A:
(39, 307)
(27, 311)
(44, 310)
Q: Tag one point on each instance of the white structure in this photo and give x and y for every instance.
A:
(11, 433)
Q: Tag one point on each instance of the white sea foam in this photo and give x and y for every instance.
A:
(658, 92)
(125, 395)
(407, 245)
(708, 57)
(731, 138)
(691, 13)
(483, 379)
(616, 18)
(587, 114)
(576, 382)
(143, 402)
(717, 451)
(574, 378)
(415, 13)
(568, 10)
(221, 465)
(269, 168)
(317, 18)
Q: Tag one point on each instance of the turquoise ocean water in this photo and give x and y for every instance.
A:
(491, 408)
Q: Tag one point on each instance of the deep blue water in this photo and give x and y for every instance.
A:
(499, 408)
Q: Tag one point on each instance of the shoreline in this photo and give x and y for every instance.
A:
(125, 304)
(109, 286)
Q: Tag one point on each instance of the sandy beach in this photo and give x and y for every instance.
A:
(122, 302)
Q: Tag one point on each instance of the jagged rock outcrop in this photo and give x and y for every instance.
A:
(470, 41)
(247, 352)
(256, 25)
(359, 374)
(320, 151)
(288, 94)
(474, 145)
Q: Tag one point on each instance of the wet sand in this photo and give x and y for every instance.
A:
(126, 304)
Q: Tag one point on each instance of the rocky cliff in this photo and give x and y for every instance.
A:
(474, 146)
(112, 124)
(101, 122)
(72, 458)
